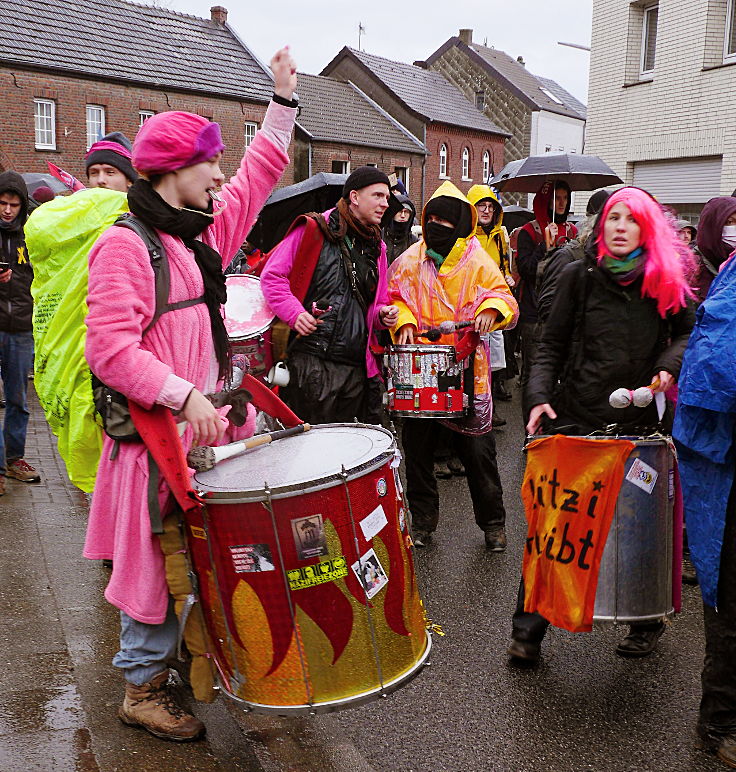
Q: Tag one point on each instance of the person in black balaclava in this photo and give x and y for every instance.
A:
(397, 234)
(449, 263)
(16, 328)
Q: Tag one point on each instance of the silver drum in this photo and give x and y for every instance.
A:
(635, 577)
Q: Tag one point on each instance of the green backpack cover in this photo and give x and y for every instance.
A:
(59, 236)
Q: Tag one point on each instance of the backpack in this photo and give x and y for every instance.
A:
(111, 405)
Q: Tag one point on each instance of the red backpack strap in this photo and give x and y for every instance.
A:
(307, 255)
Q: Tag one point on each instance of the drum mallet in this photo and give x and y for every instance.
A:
(319, 308)
(204, 458)
(641, 397)
(445, 328)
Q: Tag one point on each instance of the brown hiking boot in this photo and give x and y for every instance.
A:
(2, 484)
(153, 708)
(21, 470)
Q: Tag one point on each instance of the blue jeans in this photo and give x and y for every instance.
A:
(16, 361)
(145, 649)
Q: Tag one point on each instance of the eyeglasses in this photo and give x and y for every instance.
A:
(484, 207)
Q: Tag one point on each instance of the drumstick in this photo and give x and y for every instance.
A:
(204, 458)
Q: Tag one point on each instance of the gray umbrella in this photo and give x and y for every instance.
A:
(580, 172)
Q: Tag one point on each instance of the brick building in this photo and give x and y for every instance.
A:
(662, 98)
(463, 144)
(340, 128)
(539, 115)
(70, 73)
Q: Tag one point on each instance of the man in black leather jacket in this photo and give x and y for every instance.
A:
(334, 376)
(16, 328)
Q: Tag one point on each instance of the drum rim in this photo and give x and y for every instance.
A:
(428, 413)
(250, 335)
(290, 490)
(423, 348)
(345, 702)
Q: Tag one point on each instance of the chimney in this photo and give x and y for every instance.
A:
(520, 60)
(421, 63)
(466, 36)
(218, 14)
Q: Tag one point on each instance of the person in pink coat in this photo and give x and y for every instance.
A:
(180, 359)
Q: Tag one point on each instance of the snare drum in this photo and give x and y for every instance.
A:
(248, 321)
(425, 381)
(306, 573)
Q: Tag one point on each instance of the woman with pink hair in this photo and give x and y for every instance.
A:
(621, 317)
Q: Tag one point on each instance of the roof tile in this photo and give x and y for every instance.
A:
(145, 44)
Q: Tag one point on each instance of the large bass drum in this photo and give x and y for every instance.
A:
(306, 572)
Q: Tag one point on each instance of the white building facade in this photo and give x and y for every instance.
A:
(662, 97)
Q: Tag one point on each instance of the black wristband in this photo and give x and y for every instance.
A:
(285, 102)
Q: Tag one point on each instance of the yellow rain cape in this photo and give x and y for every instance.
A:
(59, 236)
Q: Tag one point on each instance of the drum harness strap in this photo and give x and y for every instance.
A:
(162, 277)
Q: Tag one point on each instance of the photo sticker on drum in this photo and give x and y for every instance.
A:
(370, 573)
(319, 573)
(248, 558)
(309, 537)
(642, 475)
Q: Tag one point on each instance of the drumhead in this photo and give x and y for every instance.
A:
(295, 465)
(246, 311)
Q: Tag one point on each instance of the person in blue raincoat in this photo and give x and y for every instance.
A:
(705, 434)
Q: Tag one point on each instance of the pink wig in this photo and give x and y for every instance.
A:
(668, 260)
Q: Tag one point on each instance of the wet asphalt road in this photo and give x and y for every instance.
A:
(582, 708)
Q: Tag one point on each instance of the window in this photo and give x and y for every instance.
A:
(486, 167)
(480, 100)
(649, 39)
(341, 167)
(250, 132)
(143, 116)
(402, 173)
(443, 160)
(550, 95)
(375, 166)
(44, 120)
(466, 163)
(95, 124)
(729, 49)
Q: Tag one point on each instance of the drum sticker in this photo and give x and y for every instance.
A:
(402, 518)
(381, 487)
(198, 533)
(248, 558)
(374, 523)
(319, 573)
(309, 537)
(642, 475)
(370, 573)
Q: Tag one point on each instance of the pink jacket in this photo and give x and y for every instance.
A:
(276, 289)
(121, 303)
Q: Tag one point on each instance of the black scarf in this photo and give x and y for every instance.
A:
(145, 203)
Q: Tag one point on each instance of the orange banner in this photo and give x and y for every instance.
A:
(569, 491)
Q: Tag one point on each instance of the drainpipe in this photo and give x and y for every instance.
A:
(309, 160)
(424, 165)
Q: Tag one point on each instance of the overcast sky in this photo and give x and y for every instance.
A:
(406, 31)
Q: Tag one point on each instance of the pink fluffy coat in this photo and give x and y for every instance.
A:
(121, 303)
(275, 284)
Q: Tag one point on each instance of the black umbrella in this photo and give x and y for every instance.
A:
(580, 172)
(36, 180)
(315, 194)
(516, 216)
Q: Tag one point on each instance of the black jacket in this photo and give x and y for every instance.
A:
(601, 336)
(343, 334)
(16, 303)
(554, 263)
(398, 236)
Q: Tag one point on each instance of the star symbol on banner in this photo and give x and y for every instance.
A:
(598, 485)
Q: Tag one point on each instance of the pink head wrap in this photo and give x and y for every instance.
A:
(173, 140)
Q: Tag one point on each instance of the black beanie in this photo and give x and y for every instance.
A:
(362, 177)
(596, 201)
(106, 155)
(453, 210)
